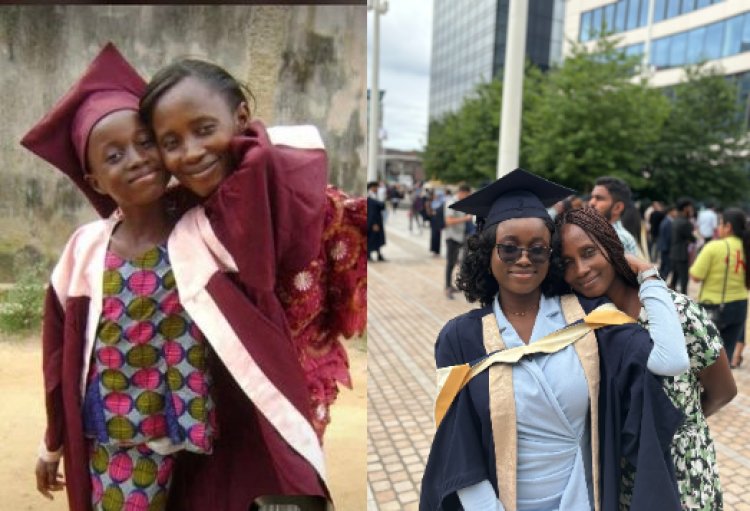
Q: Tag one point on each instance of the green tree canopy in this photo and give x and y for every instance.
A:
(592, 119)
(702, 151)
(462, 145)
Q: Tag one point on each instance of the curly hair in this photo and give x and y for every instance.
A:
(475, 278)
(601, 232)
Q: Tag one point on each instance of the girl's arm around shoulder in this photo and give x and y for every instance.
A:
(669, 356)
(480, 497)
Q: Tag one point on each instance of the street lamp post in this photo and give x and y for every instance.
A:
(510, 116)
(378, 8)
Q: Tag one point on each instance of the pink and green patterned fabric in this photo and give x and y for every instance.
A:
(129, 478)
(149, 378)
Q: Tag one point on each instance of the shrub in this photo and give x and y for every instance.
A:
(21, 306)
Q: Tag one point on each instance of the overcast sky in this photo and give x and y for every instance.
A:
(405, 40)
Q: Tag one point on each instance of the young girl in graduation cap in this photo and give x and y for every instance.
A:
(594, 264)
(295, 242)
(532, 422)
(143, 413)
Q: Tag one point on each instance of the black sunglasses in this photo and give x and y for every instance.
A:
(537, 254)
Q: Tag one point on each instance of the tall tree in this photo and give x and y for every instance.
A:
(702, 152)
(592, 118)
(463, 145)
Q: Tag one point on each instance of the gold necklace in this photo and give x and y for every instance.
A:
(521, 314)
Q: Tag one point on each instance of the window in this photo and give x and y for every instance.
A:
(714, 40)
(644, 13)
(703, 3)
(632, 19)
(634, 49)
(659, 8)
(677, 50)
(673, 8)
(620, 16)
(695, 51)
(596, 22)
(687, 6)
(732, 36)
(609, 17)
(745, 40)
(660, 53)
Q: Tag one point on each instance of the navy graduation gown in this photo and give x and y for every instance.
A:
(636, 420)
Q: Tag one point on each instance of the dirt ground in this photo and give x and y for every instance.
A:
(22, 424)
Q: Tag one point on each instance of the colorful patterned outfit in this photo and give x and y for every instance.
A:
(148, 395)
(692, 446)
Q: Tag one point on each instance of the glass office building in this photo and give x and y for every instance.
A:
(468, 45)
(680, 33)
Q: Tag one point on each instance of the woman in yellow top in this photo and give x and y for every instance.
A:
(722, 269)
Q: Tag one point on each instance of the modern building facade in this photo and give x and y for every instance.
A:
(670, 34)
(468, 45)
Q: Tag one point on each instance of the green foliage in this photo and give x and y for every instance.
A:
(21, 306)
(462, 145)
(592, 119)
(702, 149)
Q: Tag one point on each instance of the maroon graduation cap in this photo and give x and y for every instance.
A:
(109, 84)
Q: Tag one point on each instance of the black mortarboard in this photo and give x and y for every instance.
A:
(519, 194)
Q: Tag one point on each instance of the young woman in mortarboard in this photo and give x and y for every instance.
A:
(133, 394)
(594, 264)
(538, 421)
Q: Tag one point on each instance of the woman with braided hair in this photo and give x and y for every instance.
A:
(593, 262)
(546, 431)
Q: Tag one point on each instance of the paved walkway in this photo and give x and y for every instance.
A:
(406, 309)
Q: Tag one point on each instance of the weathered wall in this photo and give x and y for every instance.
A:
(304, 64)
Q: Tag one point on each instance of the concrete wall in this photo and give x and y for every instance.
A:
(304, 64)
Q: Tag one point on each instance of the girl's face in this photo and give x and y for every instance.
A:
(123, 160)
(194, 125)
(525, 274)
(586, 268)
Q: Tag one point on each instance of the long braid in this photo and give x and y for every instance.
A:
(601, 232)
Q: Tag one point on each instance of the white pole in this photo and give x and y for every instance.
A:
(377, 7)
(646, 62)
(510, 118)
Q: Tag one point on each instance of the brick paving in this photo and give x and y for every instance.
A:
(406, 309)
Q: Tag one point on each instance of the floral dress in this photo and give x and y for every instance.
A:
(692, 447)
